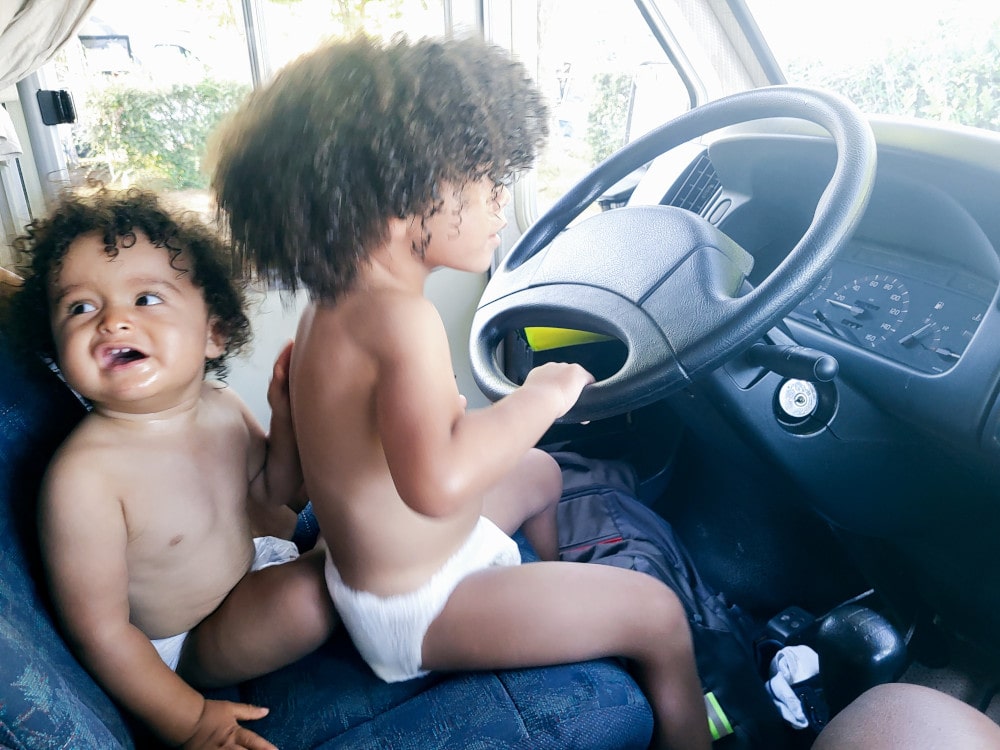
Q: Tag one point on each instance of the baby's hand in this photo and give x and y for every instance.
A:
(566, 379)
(218, 727)
(277, 390)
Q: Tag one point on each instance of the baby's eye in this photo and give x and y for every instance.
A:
(79, 308)
(147, 299)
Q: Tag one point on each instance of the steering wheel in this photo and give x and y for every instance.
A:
(663, 280)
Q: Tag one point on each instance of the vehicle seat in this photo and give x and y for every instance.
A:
(328, 699)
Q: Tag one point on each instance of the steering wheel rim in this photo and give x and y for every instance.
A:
(681, 307)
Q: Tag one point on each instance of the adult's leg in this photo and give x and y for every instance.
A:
(526, 499)
(272, 618)
(900, 716)
(554, 613)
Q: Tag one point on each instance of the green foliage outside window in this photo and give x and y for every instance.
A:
(159, 135)
(950, 76)
(607, 120)
(154, 136)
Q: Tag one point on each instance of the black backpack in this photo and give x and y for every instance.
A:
(601, 521)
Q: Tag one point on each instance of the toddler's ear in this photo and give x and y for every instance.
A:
(399, 227)
(215, 342)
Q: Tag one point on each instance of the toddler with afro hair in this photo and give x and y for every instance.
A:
(356, 133)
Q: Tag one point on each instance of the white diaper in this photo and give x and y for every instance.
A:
(268, 551)
(169, 648)
(389, 631)
(272, 550)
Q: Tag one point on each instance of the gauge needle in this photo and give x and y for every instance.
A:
(826, 322)
(916, 334)
(946, 353)
(841, 333)
(852, 309)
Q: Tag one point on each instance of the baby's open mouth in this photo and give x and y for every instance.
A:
(121, 355)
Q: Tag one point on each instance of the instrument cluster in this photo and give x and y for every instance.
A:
(912, 311)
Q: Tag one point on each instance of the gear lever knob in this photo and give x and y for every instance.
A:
(858, 648)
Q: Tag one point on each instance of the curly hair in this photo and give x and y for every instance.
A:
(311, 168)
(117, 216)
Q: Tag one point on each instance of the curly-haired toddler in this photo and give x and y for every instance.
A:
(357, 171)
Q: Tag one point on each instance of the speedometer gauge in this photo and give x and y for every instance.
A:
(871, 307)
(819, 290)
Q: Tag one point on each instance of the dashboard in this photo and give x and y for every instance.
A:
(914, 312)
(908, 308)
(900, 451)
(916, 282)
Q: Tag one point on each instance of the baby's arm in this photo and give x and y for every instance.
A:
(83, 537)
(440, 455)
(277, 479)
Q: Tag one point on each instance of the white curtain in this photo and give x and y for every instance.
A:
(32, 31)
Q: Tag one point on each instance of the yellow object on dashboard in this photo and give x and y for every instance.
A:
(540, 338)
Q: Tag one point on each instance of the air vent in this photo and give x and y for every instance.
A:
(697, 188)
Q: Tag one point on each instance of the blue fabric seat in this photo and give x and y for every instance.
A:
(327, 700)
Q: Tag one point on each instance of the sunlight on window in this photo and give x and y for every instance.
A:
(296, 27)
(936, 61)
(589, 63)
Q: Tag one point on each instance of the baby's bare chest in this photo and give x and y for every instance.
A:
(183, 492)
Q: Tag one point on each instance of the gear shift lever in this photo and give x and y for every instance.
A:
(858, 648)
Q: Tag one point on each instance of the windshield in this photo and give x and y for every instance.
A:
(938, 60)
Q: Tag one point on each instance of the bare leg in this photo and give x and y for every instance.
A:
(272, 618)
(526, 499)
(898, 716)
(555, 613)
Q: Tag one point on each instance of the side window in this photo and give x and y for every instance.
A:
(151, 80)
(607, 82)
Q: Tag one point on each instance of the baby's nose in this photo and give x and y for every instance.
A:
(115, 318)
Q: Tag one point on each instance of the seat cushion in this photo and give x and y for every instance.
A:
(46, 698)
(331, 699)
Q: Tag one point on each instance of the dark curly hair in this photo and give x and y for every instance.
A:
(312, 166)
(117, 216)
